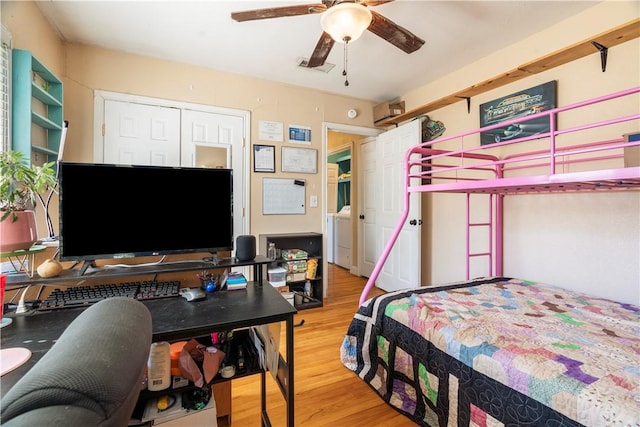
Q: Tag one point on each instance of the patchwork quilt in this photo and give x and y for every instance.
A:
(499, 351)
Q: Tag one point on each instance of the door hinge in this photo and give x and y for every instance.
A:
(103, 129)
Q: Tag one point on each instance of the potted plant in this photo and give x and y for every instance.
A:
(21, 185)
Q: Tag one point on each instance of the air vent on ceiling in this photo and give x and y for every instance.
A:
(325, 68)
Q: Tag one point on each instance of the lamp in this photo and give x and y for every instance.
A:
(345, 22)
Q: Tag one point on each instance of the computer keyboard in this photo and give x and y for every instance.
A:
(82, 296)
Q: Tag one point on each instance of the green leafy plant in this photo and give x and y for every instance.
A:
(22, 184)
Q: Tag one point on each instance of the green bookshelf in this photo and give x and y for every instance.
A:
(37, 108)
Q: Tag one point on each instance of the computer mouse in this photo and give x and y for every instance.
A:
(193, 294)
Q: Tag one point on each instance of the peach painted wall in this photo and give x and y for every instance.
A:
(44, 43)
(536, 250)
(88, 68)
(587, 242)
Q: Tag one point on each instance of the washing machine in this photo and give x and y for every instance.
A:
(343, 237)
(331, 237)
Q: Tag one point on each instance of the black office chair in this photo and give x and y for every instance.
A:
(92, 374)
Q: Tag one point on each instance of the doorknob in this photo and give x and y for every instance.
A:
(361, 216)
(415, 222)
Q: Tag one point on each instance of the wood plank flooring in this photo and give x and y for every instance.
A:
(326, 392)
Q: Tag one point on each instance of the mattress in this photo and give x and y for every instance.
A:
(499, 351)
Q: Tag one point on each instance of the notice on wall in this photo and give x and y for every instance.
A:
(271, 131)
(299, 134)
(282, 196)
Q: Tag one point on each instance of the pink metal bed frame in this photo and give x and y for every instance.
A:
(459, 170)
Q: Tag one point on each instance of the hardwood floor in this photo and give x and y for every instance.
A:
(326, 392)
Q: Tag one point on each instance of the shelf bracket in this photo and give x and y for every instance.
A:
(468, 98)
(603, 54)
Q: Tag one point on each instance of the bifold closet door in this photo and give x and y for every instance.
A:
(141, 134)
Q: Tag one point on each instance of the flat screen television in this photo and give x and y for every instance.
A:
(121, 211)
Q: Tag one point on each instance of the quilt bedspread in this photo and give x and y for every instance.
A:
(499, 351)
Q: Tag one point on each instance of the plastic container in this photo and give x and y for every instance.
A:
(271, 252)
(276, 274)
(159, 366)
(176, 349)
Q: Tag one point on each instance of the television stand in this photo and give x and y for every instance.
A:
(87, 264)
(89, 271)
(213, 259)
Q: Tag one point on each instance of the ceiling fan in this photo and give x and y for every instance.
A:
(357, 10)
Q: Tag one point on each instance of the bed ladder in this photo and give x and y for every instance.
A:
(493, 231)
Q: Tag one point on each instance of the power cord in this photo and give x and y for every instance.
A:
(21, 309)
(107, 266)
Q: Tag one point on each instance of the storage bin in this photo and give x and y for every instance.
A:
(298, 266)
(296, 277)
(290, 254)
(289, 297)
(276, 274)
(387, 109)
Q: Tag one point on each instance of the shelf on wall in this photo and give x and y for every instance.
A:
(34, 87)
(612, 37)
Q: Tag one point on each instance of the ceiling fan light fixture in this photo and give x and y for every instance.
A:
(345, 22)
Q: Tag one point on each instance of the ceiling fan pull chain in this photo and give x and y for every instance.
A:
(344, 71)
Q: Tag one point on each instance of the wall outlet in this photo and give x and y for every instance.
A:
(313, 201)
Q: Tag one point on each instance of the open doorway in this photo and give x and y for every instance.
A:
(340, 148)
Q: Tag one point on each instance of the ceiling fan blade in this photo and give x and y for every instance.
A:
(277, 12)
(375, 2)
(394, 33)
(321, 52)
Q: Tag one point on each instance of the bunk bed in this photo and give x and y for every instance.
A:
(499, 350)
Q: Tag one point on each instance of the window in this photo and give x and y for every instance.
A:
(5, 90)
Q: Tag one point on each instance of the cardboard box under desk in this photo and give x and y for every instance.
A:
(387, 109)
(632, 154)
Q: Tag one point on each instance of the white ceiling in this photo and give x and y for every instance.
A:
(203, 33)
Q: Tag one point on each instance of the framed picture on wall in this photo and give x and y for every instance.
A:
(264, 158)
(302, 160)
(524, 103)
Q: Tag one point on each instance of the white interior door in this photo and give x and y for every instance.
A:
(402, 268)
(141, 134)
(216, 140)
(332, 187)
(368, 183)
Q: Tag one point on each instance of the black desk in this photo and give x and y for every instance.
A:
(173, 319)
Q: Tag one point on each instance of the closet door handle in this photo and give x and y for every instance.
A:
(361, 217)
(415, 222)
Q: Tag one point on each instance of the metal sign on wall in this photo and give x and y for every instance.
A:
(527, 102)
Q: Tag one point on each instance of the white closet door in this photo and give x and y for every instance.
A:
(141, 134)
(216, 140)
(144, 134)
(402, 268)
(332, 188)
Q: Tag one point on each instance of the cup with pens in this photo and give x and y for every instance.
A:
(209, 282)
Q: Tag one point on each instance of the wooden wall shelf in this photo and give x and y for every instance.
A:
(612, 37)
